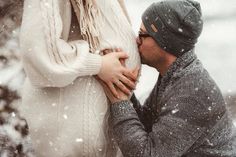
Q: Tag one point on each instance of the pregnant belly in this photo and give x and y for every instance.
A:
(68, 121)
(115, 38)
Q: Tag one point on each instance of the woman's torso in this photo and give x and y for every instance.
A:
(69, 121)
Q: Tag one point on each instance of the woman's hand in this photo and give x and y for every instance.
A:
(114, 74)
(120, 94)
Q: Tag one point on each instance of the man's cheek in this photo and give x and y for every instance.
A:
(140, 49)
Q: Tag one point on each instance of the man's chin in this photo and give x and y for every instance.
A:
(143, 60)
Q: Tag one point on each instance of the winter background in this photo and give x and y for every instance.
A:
(216, 49)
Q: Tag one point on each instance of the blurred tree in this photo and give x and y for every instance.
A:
(10, 18)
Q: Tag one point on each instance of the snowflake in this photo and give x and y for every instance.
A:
(66, 108)
(51, 143)
(65, 116)
(209, 108)
(174, 111)
(99, 149)
(180, 30)
(79, 140)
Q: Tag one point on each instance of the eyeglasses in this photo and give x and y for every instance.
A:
(142, 35)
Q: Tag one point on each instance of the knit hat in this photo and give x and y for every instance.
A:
(174, 24)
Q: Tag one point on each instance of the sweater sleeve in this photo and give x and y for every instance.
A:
(144, 112)
(171, 135)
(48, 60)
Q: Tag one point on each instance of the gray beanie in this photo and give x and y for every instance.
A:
(174, 24)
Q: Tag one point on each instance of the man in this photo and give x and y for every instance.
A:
(185, 114)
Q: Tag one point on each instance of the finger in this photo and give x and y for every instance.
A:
(129, 75)
(122, 87)
(107, 91)
(122, 61)
(104, 85)
(118, 49)
(122, 55)
(106, 51)
(127, 82)
(113, 90)
(96, 77)
(103, 51)
(136, 71)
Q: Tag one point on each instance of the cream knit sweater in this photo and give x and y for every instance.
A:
(63, 104)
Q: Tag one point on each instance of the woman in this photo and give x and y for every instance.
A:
(63, 103)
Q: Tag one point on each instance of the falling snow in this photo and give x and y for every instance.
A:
(65, 116)
(175, 111)
(79, 140)
(210, 108)
(13, 72)
(180, 29)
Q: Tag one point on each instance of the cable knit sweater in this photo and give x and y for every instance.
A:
(185, 116)
(63, 104)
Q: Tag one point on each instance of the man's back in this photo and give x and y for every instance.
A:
(204, 106)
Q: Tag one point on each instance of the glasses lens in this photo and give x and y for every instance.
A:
(142, 35)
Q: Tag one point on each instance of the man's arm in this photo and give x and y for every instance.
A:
(144, 111)
(172, 134)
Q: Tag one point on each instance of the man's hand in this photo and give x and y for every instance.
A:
(113, 99)
(115, 74)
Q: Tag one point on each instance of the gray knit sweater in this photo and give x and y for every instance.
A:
(184, 116)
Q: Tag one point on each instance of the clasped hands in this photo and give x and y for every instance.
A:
(117, 80)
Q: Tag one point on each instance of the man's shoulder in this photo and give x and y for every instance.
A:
(198, 87)
(196, 78)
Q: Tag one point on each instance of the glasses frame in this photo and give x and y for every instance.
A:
(142, 35)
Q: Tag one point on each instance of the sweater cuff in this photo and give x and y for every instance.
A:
(93, 63)
(86, 63)
(121, 109)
